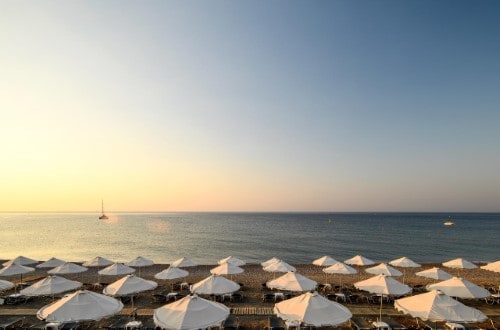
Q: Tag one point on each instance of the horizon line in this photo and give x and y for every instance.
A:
(305, 212)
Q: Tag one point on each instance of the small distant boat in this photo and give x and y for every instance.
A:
(448, 223)
(103, 216)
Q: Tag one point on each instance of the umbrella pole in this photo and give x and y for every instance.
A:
(381, 301)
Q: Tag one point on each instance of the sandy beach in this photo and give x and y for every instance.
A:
(253, 312)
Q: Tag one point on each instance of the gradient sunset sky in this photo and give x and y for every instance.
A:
(250, 105)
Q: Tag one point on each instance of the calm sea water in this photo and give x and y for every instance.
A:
(254, 237)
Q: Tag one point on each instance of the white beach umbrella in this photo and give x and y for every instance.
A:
(215, 285)
(171, 273)
(232, 260)
(269, 261)
(435, 273)
(13, 269)
(51, 263)
(324, 261)
(383, 285)
(97, 262)
(190, 312)
(459, 263)
(50, 285)
(279, 267)
(359, 261)
(437, 306)
(140, 262)
(383, 269)
(68, 268)
(312, 309)
(457, 287)
(340, 268)
(6, 285)
(492, 266)
(226, 269)
(116, 269)
(20, 260)
(129, 285)
(292, 281)
(404, 262)
(80, 306)
(183, 262)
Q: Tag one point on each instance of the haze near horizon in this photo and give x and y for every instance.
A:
(250, 106)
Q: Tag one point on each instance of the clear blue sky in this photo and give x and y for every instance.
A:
(250, 105)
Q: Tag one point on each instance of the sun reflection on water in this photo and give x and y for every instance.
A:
(159, 226)
(112, 219)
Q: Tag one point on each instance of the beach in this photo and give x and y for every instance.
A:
(253, 312)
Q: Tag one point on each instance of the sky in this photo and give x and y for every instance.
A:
(250, 105)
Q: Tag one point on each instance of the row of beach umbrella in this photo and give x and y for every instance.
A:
(196, 312)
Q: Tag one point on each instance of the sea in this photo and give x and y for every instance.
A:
(253, 237)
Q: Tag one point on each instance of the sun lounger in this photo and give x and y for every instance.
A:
(393, 324)
(231, 323)
(268, 297)
(159, 298)
(275, 323)
(11, 323)
(430, 325)
(360, 323)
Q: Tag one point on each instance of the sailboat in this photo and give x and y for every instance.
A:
(103, 216)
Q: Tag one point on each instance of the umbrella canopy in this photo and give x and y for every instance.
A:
(492, 266)
(382, 284)
(437, 306)
(312, 309)
(128, 285)
(190, 312)
(279, 267)
(183, 262)
(324, 261)
(20, 260)
(140, 262)
(269, 261)
(292, 282)
(435, 273)
(232, 260)
(359, 261)
(6, 285)
(81, 305)
(383, 269)
(50, 285)
(340, 268)
(226, 269)
(116, 269)
(97, 262)
(404, 262)
(171, 273)
(215, 285)
(15, 269)
(51, 263)
(459, 263)
(68, 268)
(457, 287)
